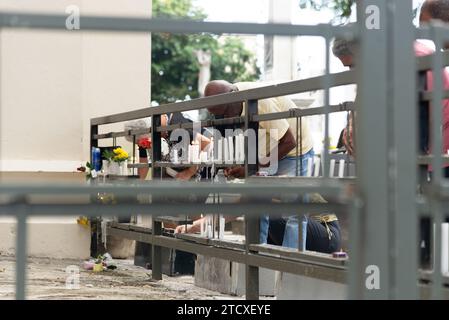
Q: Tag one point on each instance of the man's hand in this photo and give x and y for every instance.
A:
(186, 174)
(236, 172)
(182, 229)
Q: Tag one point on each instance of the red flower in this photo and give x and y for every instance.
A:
(144, 143)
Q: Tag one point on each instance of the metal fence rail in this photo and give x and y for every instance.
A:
(385, 208)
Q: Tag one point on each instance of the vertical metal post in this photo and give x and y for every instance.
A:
(251, 108)
(252, 231)
(21, 253)
(356, 275)
(134, 153)
(300, 145)
(297, 146)
(156, 253)
(155, 143)
(326, 85)
(403, 155)
(372, 117)
(437, 161)
(252, 223)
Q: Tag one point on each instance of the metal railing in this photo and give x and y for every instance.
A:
(385, 207)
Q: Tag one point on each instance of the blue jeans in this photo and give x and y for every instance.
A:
(287, 166)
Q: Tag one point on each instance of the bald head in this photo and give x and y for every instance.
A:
(216, 87)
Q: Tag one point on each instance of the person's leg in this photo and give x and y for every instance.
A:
(288, 167)
(264, 225)
(276, 230)
(317, 236)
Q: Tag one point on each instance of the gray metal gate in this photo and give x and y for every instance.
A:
(386, 207)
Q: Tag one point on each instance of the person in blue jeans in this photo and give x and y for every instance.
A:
(323, 232)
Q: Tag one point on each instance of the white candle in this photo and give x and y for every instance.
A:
(226, 150)
(231, 148)
(202, 226)
(316, 172)
(195, 152)
(203, 156)
(222, 227)
(341, 168)
(241, 147)
(175, 156)
(309, 167)
(209, 227)
(189, 154)
(332, 168)
(220, 150)
(445, 248)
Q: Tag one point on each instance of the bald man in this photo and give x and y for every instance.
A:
(280, 230)
(286, 128)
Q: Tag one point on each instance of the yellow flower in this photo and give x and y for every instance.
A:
(120, 155)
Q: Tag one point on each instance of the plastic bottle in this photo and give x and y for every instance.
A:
(220, 177)
(304, 233)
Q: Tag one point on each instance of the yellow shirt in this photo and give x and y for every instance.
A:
(278, 104)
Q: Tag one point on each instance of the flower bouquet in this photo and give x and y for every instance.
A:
(144, 143)
(117, 161)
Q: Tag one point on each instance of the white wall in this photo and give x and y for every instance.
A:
(53, 82)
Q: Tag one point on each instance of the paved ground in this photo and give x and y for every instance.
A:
(47, 280)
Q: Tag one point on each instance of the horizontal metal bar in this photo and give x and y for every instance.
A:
(425, 32)
(301, 268)
(310, 256)
(428, 95)
(171, 208)
(138, 165)
(425, 63)
(295, 113)
(425, 292)
(207, 123)
(165, 164)
(427, 159)
(233, 253)
(213, 242)
(141, 24)
(426, 275)
(173, 219)
(277, 90)
(325, 187)
(126, 133)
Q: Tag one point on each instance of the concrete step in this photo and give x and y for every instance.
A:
(52, 237)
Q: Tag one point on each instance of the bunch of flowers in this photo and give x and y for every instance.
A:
(144, 143)
(117, 155)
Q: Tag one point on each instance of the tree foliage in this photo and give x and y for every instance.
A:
(174, 68)
(343, 8)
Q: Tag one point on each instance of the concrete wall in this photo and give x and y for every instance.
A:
(53, 82)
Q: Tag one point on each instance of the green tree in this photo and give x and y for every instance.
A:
(174, 68)
(343, 8)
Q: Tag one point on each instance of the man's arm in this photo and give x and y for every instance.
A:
(196, 226)
(285, 145)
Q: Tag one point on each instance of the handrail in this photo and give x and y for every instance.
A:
(276, 90)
